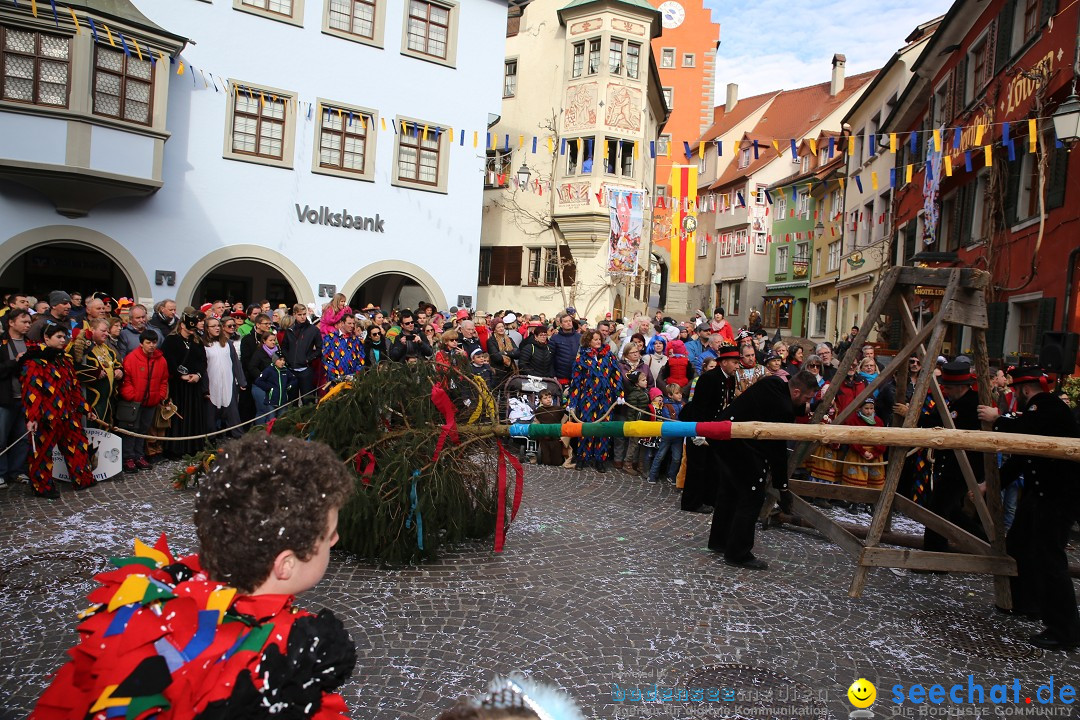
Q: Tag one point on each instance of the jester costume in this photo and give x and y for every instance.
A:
(53, 400)
(595, 385)
(162, 640)
(342, 355)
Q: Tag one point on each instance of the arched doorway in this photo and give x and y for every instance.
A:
(393, 283)
(245, 281)
(389, 291)
(61, 265)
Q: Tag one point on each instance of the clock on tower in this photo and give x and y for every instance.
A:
(672, 14)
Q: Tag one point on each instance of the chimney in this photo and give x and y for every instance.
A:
(837, 84)
(732, 97)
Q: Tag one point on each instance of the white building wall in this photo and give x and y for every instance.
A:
(210, 207)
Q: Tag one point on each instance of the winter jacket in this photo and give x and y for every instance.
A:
(301, 344)
(849, 390)
(638, 398)
(534, 358)
(694, 348)
(564, 351)
(10, 369)
(678, 370)
(330, 318)
(146, 378)
(259, 361)
(375, 353)
(128, 341)
(855, 420)
(277, 384)
(404, 345)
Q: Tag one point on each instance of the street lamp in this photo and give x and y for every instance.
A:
(523, 175)
(819, 230)
(1067, 121)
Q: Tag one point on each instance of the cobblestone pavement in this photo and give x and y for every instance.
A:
(604, 583)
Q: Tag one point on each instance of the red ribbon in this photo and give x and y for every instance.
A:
(501, 526)
(445, 406)
(366, 469)
(270, 425)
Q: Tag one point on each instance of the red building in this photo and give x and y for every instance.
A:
(978, 112)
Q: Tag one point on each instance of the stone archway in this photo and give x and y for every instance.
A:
(17, 246)
(193, 278)
(431, 290)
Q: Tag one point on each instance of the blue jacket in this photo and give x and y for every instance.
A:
(277, 384)
(564, 351)
(694, 348)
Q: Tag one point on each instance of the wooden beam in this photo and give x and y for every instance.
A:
(833, 491)
(896, 456)
(940, 277)
(955, 535)
(884, 292)
(827, 526)
(991, 477)
(948, 562)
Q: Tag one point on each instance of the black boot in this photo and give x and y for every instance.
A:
(600, 466)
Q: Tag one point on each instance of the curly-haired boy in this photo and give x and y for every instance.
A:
(216, 635)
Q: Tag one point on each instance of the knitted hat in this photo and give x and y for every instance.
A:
(655, 393)
(58, 297)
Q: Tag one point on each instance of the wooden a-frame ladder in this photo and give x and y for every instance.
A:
(963, 303)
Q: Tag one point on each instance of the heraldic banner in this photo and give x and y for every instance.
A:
(683, 222)
(626, 225)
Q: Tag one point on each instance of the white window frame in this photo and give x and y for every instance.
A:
(576, 72)
(622, 55)
(665, 54)
(744, 157)
(662, 145)
(507, 74)
(599, 42)
(669, 96)
(781, 265)
(370, 138)
(442, 178)
(377, 38)
(451, 34)
(759, 195)
(691, 57)
(703, 245)
(295, 18)
(803, 199)
(781, 205)
(288, 140)
(834, 256)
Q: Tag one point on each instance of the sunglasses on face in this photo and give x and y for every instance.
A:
(814, 365)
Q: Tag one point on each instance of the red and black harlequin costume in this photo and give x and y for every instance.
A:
(162, 640)
(54, 401)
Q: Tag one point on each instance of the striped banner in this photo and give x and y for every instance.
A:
(684, 192)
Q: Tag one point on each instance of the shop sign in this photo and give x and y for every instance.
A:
(929, 291)
(326, 216)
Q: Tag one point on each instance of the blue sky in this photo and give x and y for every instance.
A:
(782, 44)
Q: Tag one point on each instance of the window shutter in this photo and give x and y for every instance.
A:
(485, 264)
(894, 333)
(498, 266)
(910, 231)
(967, 213)
(950, 110)
(997, 314)
(1012, 190)
(1049, 8)
(960, 88)
(567, 266)
(1045, 319)
(512, 266)
(1055, 185)
(1003, 48)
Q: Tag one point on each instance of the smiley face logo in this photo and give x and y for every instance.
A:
(862, 693)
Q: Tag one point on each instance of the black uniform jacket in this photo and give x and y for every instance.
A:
(1048, 478)
(767, 400)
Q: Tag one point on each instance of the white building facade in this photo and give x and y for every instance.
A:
(308, 147)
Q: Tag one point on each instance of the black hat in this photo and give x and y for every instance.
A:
(956, 373)
(1030, 374)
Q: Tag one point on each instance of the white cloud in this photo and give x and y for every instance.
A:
(783, 44)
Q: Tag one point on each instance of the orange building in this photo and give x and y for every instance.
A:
(685, 54)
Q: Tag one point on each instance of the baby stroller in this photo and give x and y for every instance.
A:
(522, 399)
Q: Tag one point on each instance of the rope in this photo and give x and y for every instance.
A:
(207, 436)
(849, 462)
(17, 441)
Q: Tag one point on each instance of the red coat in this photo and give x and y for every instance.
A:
(855, 421)
(848, 392)
(146, 378)
(677, 370)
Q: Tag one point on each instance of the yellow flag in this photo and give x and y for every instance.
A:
(425, 132)
(138, 51)
(33, 7)
(635, 149)
(668, 153)
(937, 141)
(908, 172)
(776, 147)
(892, 143)
(979, 129)
(521, 141)
(873, 181)
(382, 122)
(683, 182)
(551, 146)
(948, 166)
(475, 138)
(180, 68)
(701, 149)
(78, 27)
(841, 183)
(1033, 135)
(109, 33)
(989, 154)
(813, 145)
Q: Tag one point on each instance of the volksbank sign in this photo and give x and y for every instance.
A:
(324, 216)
